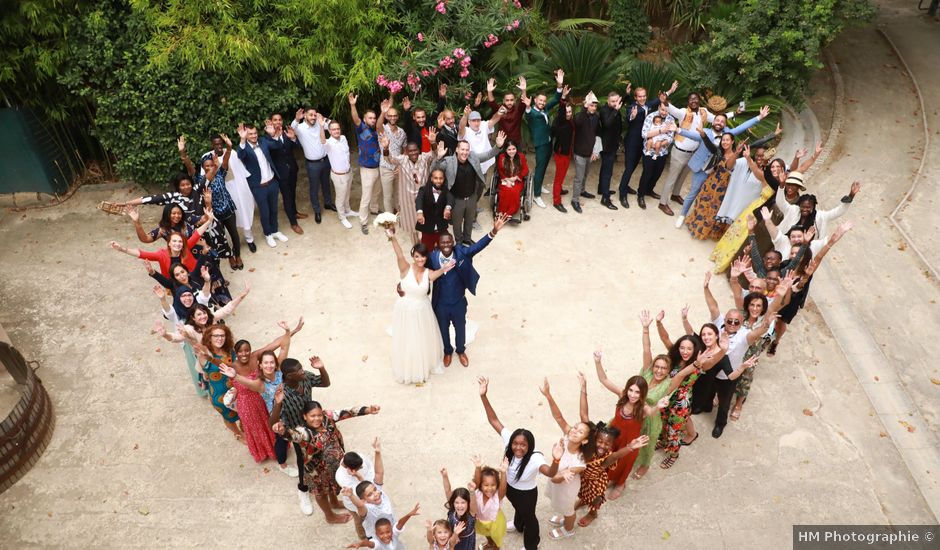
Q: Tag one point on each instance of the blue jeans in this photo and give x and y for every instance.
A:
(698, 178)
(266, 197)
(607, 170)
(318, 176)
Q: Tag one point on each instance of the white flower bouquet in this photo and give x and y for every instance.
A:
(386, 220)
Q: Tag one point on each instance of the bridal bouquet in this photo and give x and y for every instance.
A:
(386, 220)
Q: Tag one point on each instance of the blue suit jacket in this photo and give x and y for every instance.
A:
(700, 158)
(250, 160)
(467, 276)
(633, 135)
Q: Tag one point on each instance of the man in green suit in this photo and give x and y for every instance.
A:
(536, 115)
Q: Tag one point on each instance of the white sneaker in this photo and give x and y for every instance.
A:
(345, 223)
(281, 237)
(540, 202)
(270, 240)
(510, 526)
(305, 505)
(289, 471)
(679, 221)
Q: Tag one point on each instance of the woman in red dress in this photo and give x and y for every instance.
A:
(629, 415)
(512, 169)
(248, 384)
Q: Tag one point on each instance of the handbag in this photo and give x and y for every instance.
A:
(229, 399)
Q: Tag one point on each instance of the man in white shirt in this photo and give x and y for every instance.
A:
(317, 162)
(337, 148)
(477, 133)
(256, 157)
(388, 172)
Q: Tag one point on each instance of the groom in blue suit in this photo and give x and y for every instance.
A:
(449, 299)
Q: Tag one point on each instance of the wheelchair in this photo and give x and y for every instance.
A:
(525, 198)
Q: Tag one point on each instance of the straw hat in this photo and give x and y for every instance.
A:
(795, 178)
(716, 104)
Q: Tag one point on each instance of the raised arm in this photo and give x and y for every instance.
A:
(445, 479)
(808, 163)
(710, 301)
(135, 252)
(737, 268)
(322, 124)
(352, 109)
(378, 467)
(403, 265)
(445, 267)
(404, 519)
(583, 401)
(351, 495)
(663, 336)
(503, 482)
(490, 413)
(646, 321)
(253, 384)
(228, 150)
(462, 125)
(134, 214)
(684, 313)
(556, 412)
(602, 374)
(181, 145)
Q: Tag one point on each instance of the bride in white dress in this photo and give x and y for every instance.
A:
(417, 348)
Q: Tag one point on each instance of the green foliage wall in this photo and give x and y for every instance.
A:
(630, 32)
(772, 47)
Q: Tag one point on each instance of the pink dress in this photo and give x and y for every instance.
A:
(254, 417)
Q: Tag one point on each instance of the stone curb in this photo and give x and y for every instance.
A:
(898, 413)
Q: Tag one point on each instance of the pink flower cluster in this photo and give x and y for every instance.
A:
(458, 53)
(441, 7)
(394, 86)
(446, 62)
(513, 25)
(490, 41)
(420, 37)
(414, 82)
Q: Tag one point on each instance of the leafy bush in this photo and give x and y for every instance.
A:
(772, 47)
(630, 32)
(590, 62)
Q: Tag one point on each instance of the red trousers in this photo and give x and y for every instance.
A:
(509, 197)
(430, 240)
(561, 170)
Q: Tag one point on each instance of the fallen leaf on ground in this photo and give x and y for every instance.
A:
(365, 358)
(877, 379)
(935, 381)
(883, 434)
(496, 316)
(135, 446)
(266, 470)
(144, 511)
(910, 429)
(807, 412)
(251, 270)
(666, 535)
(902, 245)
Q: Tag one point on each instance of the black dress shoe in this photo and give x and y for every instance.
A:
(317, 217)
(331, 207)
(587, 195)
(641, 201)
(654, 195)
(623, 201)
(561, 208)
(630, 191)
(576, 206)
(252, 246)
(608, 204)
(564, 191)
(716, 433)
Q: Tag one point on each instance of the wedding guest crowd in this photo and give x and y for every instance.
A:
(432, 171)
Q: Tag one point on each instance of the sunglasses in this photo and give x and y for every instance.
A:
(733, 322)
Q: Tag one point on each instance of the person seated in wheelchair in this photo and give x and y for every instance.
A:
(512, 169)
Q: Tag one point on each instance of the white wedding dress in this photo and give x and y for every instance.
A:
(417, 350)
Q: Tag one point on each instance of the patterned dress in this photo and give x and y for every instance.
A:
(630, 429)
(254, 416)
(701, 219)
(218, 384)
(323, 450)
(594, 481)
(747, 377)
(680, 405)
(653, 424)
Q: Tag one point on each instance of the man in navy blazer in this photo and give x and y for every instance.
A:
(449, 299)
(633, 138)
(256, 156)
(285, 167)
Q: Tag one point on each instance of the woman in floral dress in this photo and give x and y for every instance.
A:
(689, 350)
(701, 219)
(322, 445)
